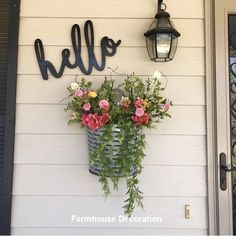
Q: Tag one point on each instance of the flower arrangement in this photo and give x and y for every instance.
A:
(128, 108)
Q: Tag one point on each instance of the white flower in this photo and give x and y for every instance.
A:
(73, 116)
(74, 86)
(158, 75)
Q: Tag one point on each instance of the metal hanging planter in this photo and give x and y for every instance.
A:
(112, 154)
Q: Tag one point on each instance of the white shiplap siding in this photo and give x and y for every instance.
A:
(51, 178)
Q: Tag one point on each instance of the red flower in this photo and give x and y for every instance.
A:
(144, 119)
(95, 121)
(84, 119)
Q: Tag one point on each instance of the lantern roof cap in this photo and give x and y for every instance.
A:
(162, 14)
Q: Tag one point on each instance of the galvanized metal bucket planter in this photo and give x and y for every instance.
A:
(111, 152)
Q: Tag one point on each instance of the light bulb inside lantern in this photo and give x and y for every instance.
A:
(163, 44)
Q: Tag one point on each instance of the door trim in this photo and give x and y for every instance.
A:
(5, 216)
(213, 219)
(211, 61)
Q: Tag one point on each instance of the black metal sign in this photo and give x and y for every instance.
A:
(108, 48)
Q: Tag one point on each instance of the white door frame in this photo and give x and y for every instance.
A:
(210, 116)
(222, 8)
(217, 101)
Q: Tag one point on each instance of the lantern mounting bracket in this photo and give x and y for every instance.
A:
(160, 4)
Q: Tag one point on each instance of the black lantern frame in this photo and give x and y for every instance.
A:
(162, 37)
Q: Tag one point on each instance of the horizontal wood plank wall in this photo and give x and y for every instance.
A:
(82, 231)
(51, 179)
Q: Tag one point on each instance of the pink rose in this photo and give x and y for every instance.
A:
(138, 102)
(166, 106)
(79, 93)
(139, 112)
(87, 106)
(104, 104)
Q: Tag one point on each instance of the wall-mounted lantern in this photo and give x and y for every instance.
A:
(162, 37)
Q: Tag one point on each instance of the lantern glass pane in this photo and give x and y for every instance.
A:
(151, 46)
(163, 45)
(173, 47)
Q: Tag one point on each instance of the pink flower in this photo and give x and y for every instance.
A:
(139, 112)
(87, 106)
(79, 93)
(104, 104)
(166, 106)
(138, 102)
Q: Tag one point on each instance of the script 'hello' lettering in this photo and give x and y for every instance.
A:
(108, 48)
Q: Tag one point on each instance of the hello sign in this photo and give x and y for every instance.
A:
(108, 49)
